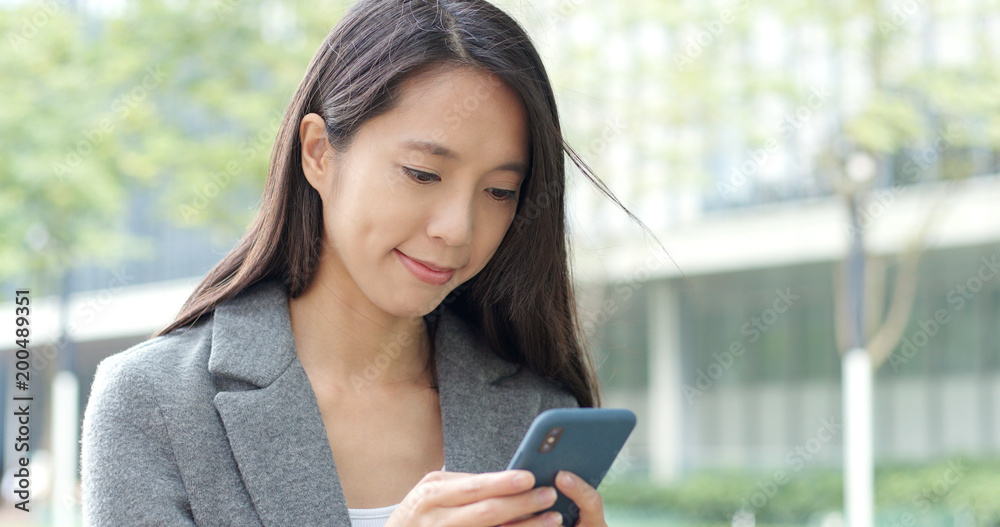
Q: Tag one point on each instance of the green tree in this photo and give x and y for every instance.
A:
(178, 99)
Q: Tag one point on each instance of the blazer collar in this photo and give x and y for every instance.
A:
(276, 431)
(252, 339)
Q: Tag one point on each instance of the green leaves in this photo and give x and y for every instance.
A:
(181, 99)
(886, 124)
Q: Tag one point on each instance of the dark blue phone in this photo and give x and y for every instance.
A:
(584, 441)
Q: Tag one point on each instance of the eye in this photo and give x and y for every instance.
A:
(420, 177)
(502, 194)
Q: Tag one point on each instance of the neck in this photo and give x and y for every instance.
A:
(347, 345)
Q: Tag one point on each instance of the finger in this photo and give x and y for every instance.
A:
(453, 489)
(584, 496)
(503, 509)
(519, 518)
(549, 519)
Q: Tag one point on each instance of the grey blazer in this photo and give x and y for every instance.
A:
(217, 423)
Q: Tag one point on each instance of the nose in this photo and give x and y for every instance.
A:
(451, 220)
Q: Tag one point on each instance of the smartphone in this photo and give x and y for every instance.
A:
(584, 441)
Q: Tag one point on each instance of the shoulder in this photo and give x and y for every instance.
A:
(133, 401)
(127, 445)
(153, 365)
(464, 343)
(552, 393)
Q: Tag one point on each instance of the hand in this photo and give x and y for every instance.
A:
(461, 499)
(587, 502)
(585, 498)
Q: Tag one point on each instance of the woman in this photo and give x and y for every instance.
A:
(374, 348)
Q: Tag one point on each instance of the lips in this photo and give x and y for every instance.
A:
(426, 272)
(430, 266)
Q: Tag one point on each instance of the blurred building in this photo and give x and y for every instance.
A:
(734, 364)
(737, 364)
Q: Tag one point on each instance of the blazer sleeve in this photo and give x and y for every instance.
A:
(129, 475)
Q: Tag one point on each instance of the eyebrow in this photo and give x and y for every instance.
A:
(437, 149)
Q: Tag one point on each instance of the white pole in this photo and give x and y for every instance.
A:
(859, 438)
(856, 374)
(665, 405)
(65, 438)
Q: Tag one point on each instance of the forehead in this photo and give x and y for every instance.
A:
(474, 114)
(458, 94)
(431, 77)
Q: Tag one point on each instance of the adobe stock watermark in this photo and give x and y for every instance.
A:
(926, 157)
(85, 314)
(531, 209)
(933, 493)
(796, 459)
(390, 351)
(593, 320)
(619, 466)
(121, 107)
(754, 329)
(790, 123)
(936, 491)
(704, 36)
(210, 188)
(957, 297)
(459, 111)
(564, 9)
(882, 199)
(376, 367)
(900, 14)
(223, 8)
(612, 129)
(32, 24)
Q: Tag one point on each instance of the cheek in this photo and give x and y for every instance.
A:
(369, 219)
(349, 228)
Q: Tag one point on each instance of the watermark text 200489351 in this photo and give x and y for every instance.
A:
(22, 376)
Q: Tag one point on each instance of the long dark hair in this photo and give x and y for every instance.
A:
(523, 299)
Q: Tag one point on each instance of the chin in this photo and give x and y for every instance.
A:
(415, 305)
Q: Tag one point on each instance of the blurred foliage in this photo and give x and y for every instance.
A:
(907, 495)
(717, 496)
(727, 73)
(179, 99)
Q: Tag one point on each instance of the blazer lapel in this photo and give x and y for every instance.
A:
(273, 422)
(275, 429)
(483, 421)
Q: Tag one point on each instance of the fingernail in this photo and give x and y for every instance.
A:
(546, 495)
(553, 519)
(567, 479)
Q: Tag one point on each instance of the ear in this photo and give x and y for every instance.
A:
(315, 151)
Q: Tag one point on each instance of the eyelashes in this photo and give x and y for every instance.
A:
(423, 178)
(417, 175)
(505, 194)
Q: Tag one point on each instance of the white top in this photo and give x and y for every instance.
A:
(371, 517)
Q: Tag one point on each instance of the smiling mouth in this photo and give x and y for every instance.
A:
(423, 272)
(430, 266)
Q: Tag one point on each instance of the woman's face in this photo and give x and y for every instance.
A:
(434, 180)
